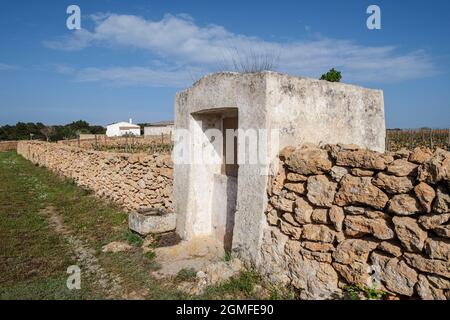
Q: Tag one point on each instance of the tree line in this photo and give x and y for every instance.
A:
(40, 131)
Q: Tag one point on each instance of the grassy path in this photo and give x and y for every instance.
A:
(48, 223)
(34, 256)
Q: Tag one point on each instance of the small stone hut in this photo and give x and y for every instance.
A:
(227, 202)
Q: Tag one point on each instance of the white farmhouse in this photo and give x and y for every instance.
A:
(158, 128)
(122, 128)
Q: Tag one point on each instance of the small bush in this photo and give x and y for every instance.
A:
(227, 256)
(186, 274)
(354, 292)
(154, 265)
(332, 76)
(150, 255)
(133, 238)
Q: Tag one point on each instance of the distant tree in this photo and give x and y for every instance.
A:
(48, 132)
(79, 125)
(39, 131)
(97, 130)
(67, 132)
(332, 76)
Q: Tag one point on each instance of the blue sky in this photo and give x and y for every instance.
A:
(131, 57)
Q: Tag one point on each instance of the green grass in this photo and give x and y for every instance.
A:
(34, 257)
(186, 274)
(354, 292)
(241, 287)
(150, 255)
(227, 256)
(132, 238)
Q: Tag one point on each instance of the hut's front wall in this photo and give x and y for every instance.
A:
(303, 110)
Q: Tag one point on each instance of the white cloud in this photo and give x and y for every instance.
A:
(5, 67)
(79, 39)
(179, 41)
(133, 76)
(140, 76)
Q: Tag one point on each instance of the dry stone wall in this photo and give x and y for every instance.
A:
(90, 141)
(339, 215)
(133, 181)
(8, 145)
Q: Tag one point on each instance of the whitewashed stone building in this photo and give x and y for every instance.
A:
(119, 129)
(227, 201)
(158, 128)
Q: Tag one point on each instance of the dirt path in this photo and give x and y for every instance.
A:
(110, 284)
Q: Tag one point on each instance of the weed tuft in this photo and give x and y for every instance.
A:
(354, 292)
(186, 274)
(133, 238)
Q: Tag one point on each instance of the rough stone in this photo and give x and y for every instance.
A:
(314, 279)
(315, 255)
(309, 160)
(427, 292)
(436, 169)
(277, 182)
(296, 187)
(336, 216)
(295, 177)
(274, 259)
(288, 217)
(288, 195)
(410, 234)
(438, 249)
(286, 152)
(321, 190)
(401, 168)
(320, 216)
(425, 194)
(303, 211)
(355, 273)
(396, 275)
(361, 173)
(431, 221)
(212, 274)
(338, 172)
(420, 155)
(116, 246)
(352, 250)
(439, 282)
(272, 217)
(404, 204)
(364, 159)
(390, 248)
(438, 267)
(318, 246)
(320, 233)
(290, 230)
(403, 153)
(355, 210)
(442, 202)
(357, 226)
(393, 184)
(360, 191)
(146, 224)
(282, 204)
(443, 231)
